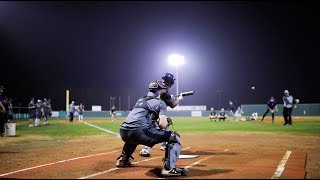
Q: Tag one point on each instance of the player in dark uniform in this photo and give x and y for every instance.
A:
(271, 107)
(113, 113)
(80, 110)
(2, 112)
(170, 100)
(46, 111)
(222, 115)
(138, 129)
(32, 112)
(39, 112)
(213, 115)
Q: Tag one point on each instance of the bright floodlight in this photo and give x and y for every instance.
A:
(176, 60)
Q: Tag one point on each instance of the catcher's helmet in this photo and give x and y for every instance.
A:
(168, 79)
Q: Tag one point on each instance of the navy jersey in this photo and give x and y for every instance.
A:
(45, 108)
(141, 114)
(271, 104)
(39, 107)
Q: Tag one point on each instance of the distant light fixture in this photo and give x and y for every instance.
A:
(176, 60)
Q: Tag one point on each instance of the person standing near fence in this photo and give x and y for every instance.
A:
(32, 112)
(46, 111)
(10, 111)
(72, 109)
(287, 107)
(39, 112)
(2, 112)
(113, 113)
(80, 110)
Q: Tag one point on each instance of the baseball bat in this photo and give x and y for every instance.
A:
(188, 93)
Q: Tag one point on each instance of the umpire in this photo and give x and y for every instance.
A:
(287, 107)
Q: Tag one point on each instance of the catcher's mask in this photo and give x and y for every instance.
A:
(168, 79)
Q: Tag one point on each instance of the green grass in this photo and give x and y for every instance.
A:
(62, 129)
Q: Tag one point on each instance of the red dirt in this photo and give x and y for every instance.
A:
(250, 155)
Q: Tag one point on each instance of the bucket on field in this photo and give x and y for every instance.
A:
(10, 129)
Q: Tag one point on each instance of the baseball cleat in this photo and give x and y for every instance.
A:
(124, 163)
(145, 152)
(174, 172)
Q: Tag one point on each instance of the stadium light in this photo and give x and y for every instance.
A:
(176, 60)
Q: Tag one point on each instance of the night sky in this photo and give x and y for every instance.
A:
(102, 49)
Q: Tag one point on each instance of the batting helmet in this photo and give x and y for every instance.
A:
(155, 86)
(168, 79)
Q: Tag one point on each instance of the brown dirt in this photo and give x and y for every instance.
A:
(249, 155)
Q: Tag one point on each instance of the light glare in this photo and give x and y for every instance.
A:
(176, 60)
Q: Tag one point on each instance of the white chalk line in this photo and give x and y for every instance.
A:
(281, 166)
(113, 169)
(62, 161)
(198, 162)
(105, 130)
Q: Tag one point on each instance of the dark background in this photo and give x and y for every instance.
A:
(102, 49)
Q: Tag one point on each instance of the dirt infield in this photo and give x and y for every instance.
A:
(222, 156)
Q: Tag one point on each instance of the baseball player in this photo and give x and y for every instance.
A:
(80, 110)
(271, 107)
(222, 115)
(213, 115)
(3, 112)
(46, 111)
(39, 112)
(167, 82)
(32, 112)
(113, 113)
(138, 129)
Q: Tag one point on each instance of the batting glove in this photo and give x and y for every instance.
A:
(180, 97)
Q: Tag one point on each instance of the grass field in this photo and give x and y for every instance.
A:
(62, 129)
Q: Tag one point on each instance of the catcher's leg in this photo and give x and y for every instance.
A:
(172, 154)
(126, 155)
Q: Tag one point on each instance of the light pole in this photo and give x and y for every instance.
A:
(176, 60)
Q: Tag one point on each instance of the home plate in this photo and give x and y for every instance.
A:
(187, 156)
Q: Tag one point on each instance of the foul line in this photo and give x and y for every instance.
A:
(113, 169)
(105, 130)
(62, 161)
(281, 165)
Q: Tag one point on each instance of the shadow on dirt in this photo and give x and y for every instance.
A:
(193, 173)
(10, 152)
(206, 153)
